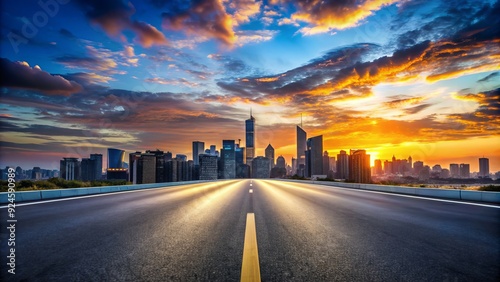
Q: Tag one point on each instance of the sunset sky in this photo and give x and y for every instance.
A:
(419, 78)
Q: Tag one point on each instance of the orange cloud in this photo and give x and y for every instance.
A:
(324, 16)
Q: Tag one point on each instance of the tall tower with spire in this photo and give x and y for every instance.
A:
(250, 139)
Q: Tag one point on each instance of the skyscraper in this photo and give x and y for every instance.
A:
(454, 171)
(343, 165)
(88, 169)
(208, 167)
(115, 168)
(115, 158)
(301, 150)
(314, 156)
(260, 167)
(250, 138)
(228, 159)
(359, 167)
(242, 169)
(378, 167)
(464, 171)
(269, 152)
(97, 165)
(132, 163)
(484, 167)
(70, 169)
(146, 168)
(326, 163)
(198, 149)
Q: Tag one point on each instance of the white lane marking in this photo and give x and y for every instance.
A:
(89, 196)
(251, 184)
(407, 196)
(250, 191)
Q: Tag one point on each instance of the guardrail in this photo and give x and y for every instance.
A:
(23, 196)
(465, 195)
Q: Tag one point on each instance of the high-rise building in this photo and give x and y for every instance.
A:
(464, 171)
(228, 159)
(454, 170)
(484, 167)
(269, 153)
(88, 169)
(343, 165)
(146, 169)
(417, 168)
(314, 156)
(159, 165)
(198, 149)
(70, 169)
(260, 167)
(181, 157)
(208, 167)
(132, 163)
(97, 165)
(333, 165)
(242, 169)
(301, 150)
(115, 158)
(378, 167)
(280, 162)
(359, 167)
(250, 139)
(326, 163)
(116, 170)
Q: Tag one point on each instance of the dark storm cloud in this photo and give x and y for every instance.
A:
(453, 18)
(21, 75)
(114, 16)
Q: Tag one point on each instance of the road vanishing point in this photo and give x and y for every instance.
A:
(253, 230)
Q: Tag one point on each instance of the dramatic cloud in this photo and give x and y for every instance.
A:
(148, 35)
(324, 16)
(343, 74)
(244, 9)
(114, 16)
(206, 18)
(21, 75)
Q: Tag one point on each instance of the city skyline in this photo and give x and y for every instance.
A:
(403, 78)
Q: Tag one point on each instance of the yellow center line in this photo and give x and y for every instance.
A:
(250, 269)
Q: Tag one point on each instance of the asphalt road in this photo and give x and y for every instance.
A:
(304, 233)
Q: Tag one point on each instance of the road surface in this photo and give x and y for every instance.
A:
(304, 232)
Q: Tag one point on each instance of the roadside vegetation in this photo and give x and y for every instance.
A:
(494, 188)
(58, 183)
